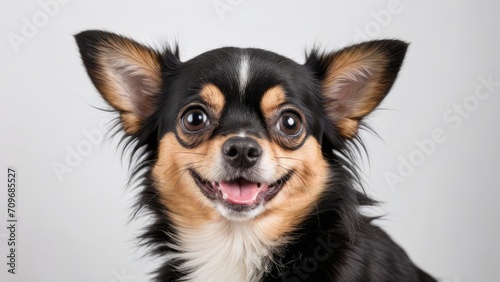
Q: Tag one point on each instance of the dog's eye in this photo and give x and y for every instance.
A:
(290, 124)
(195, 120)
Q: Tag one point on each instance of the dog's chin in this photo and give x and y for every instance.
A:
(239, 215)
(239, 199)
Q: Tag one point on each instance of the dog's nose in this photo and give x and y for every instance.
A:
(241, 152)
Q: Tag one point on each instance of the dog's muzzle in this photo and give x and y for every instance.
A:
(242, 185)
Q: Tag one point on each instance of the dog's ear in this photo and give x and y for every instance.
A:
(354, 80)
(127, 74)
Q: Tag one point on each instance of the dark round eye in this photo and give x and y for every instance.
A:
(195, 120)
(290, 124)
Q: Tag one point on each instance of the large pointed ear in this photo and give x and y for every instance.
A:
(356, 79)
(127, 74)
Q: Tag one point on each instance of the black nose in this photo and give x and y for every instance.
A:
(241, 152)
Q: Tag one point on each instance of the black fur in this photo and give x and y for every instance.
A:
(336, 242)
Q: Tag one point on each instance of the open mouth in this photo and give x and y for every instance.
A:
(240, 193)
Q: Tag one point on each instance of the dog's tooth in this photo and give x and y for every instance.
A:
(224, 196)
(216, 185)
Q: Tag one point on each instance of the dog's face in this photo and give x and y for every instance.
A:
(237, 133)
(240, 134)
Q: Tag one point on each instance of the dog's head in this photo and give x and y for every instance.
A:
(238, 133)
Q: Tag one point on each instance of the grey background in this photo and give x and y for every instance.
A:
(75, 228)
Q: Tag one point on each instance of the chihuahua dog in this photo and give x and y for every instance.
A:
(246, 158)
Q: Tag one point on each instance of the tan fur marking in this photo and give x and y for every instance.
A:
(298, 197)
(348, 127)
(189, 208)
(125, 62)
(357, 74)
(213, 97)
(272, 100)
(187, 205)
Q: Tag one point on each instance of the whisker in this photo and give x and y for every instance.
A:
(190, 153)
(300, 177)
(288, 158)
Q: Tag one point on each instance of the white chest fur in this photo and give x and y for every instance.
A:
(224, 251)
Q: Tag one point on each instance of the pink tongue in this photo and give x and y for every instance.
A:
(241, 192)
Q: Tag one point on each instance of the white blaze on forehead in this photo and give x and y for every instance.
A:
(244, 72)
